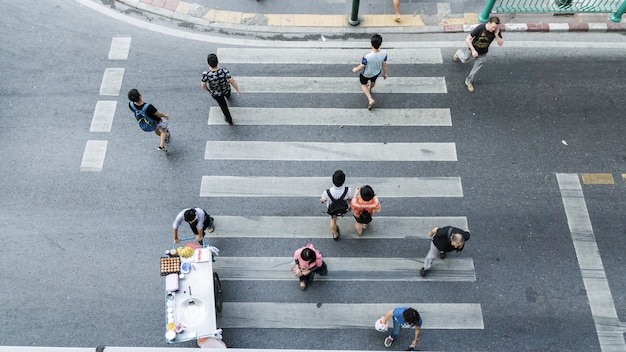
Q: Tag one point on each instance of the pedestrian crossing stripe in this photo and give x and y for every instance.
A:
(93, 156)
(324, 56)
(343, 269)
(329, 151)
(331, 116)
(120, 46)
(339, 85)
(314, 227)
(385, 187)
(270, 315)
(103, 114)
(111, 81)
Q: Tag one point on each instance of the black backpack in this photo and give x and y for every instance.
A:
(338, 207)
(365, 217)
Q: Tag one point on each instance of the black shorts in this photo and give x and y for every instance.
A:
(365, 79)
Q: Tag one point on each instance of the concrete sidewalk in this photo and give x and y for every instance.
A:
(331, 16)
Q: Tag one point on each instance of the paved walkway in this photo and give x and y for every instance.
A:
(331, 16)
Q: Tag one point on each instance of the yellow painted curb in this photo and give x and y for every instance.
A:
(451, 21)
(183, 8)
(471, 18)
(388, 21)
(597, 179)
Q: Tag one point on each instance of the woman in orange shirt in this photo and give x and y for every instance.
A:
(363, 206)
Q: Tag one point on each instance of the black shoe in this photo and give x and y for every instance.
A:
(422, 272)
(442, 255)
(338, 234)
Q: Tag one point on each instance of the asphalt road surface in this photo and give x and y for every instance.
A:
(532, 162)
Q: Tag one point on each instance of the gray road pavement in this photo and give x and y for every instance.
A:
(82, 248)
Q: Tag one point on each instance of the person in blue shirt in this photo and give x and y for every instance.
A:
(403, 317)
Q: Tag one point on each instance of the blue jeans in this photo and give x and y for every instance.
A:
(395, 330)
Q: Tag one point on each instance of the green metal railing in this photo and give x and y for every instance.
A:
(555, 6)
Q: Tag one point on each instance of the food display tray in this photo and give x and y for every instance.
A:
(170, 265)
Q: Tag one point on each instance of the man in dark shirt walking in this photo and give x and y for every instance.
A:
(478, 42)
(444, 240)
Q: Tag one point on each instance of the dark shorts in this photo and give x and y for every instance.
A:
(365, 79)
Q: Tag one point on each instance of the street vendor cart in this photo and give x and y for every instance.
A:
(193, 292)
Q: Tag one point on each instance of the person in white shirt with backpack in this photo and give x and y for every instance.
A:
(337, 200)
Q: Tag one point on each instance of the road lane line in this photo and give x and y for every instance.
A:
(608, 326)
(111, 81)
(343, 269)
(385, 187)
(103, 114)
(597, 179)
(309, 227)
(340, 85)
(328, 151)
(269, 315)
(302, 56)
(93, 157)
(333, 116)
(120, 46)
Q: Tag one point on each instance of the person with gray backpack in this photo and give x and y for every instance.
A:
(337, 200)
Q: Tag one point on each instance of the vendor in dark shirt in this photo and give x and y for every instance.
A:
(444, 240)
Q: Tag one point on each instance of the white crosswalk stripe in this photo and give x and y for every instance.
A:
(333, 116)
(267, 186)
(313, 227)
(324, 56)
(343, 315)
(343, 269)
(373, 269)
(327, 151)
(339, 85)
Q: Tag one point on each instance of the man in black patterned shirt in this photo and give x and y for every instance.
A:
(217, 82)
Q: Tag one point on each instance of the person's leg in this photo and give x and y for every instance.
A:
(163, 132)
(162, 136)
(358, 227)
(392, 336)
(221, 101)
(396, 7)
(303, 281)
(194, 229)
(463, 54)
(478, 64)
(333, 227)
(208, 223)
(395, 331)
(366, 90)
(433, 252)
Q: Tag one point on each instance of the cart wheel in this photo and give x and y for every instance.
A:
(217, 291)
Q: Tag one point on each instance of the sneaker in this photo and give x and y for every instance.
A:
(422, 272)
(162, 149)
(388, 341)
(470, 87)
(455, 58)
(442, 255)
